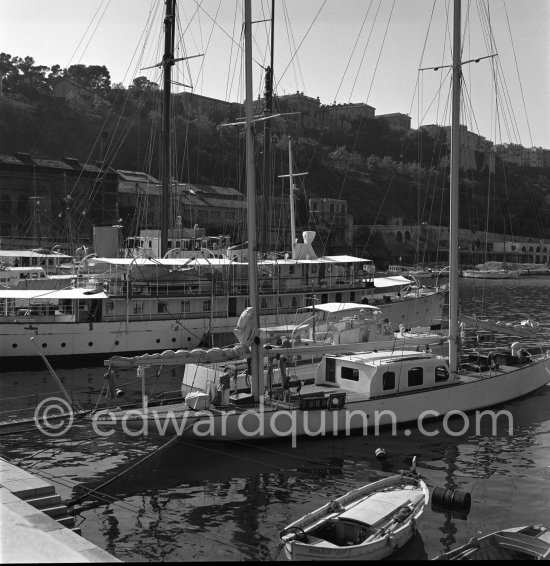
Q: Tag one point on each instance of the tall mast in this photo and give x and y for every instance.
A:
(167, 63)
(266, 243)
(454, 194)
(257, 377)
(292, 213)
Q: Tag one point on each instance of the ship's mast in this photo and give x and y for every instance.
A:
(266, 243)
(167, 63)
(257, 377)
(454, 192)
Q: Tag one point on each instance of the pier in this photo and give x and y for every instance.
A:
(35, 526)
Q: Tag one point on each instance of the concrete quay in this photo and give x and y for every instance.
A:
(35, 526)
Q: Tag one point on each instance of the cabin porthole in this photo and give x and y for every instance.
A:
(189, 338)
(116, 342)
(158, 340)
(44, 345)
(63, 344)
(173, 339)
(90, 344)
(14, 345)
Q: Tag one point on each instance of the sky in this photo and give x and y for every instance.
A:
(359, 51)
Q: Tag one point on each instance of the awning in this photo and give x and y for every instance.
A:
(30, 294)
(340, 307)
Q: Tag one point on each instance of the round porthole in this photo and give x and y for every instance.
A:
(117, 342)
(90, 344)
(173, 339)
(158, 340)
(44, 345)
(14, 345)
(63, 344)
(189, 338)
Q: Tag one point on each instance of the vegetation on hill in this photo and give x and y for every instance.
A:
(379, 172)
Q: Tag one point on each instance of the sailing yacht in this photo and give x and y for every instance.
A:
(353, 389)
(166, 300)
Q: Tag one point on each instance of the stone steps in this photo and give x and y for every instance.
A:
(31, 505)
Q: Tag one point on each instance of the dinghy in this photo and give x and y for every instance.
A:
(368, 523)
(522, 543)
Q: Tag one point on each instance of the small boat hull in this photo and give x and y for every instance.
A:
(368, 523)
(530, 542)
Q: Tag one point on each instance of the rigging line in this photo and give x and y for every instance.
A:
(302, 41)
(353, 50)
(365, 51)
(95, 29)
(292, 43)
(85, 32)
(421, 62)
(517, 72)
(507, 104)
(231, 53)
(72, 484)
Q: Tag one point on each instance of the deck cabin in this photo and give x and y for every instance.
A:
(377, 374)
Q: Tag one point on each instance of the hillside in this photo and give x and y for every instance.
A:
(375, 169)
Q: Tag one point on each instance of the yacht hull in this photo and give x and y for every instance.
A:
(68, 342)
(470, 393)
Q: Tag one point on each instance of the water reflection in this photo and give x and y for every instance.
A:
(212, 501)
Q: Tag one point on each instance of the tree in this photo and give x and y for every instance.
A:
(94, 77)
(143, 84)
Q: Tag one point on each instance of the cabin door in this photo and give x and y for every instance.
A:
(330, 375)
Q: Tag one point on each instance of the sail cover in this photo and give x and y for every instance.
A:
(246, 327)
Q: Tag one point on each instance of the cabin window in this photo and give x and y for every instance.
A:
(388, 380)
(138, 307)
(330, 374)
(294, 301)
(441, 374)
(206, 305)
(280, 301)
(291, 270)
(350, 373)
(109, 307)
(416, 377)
(264, 303)
(162, 307)
(185, 306)
(313, 269)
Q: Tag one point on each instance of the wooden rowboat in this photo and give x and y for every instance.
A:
(368, 523)
(520, 543)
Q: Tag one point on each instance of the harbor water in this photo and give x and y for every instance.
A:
(228, 501)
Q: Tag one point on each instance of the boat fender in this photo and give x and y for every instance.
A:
(414, 528)
(492, 360)
(451, 499)
(381, 454)
(335, 507)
